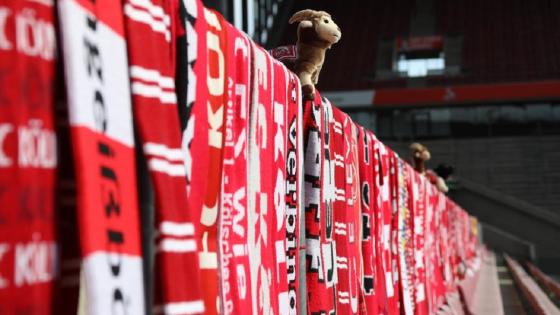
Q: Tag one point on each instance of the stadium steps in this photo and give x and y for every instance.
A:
(537, 299)
(548, 284)
(487, 297)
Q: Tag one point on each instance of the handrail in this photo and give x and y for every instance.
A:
(538, 300)
(549, 283)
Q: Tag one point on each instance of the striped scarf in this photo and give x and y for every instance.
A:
(151, 30)
(103, 144)
(384, 226)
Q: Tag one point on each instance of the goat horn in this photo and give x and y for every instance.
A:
(302, 15)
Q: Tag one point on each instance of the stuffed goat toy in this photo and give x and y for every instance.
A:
(317, 32)
(420, 155)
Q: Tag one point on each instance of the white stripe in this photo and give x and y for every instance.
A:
(207, 260)
(80, 86)
(338, 125)
(176, 229)
(344, 301)
(164, 151)
(163, 166)
(341, 259)
(341, 266)
(340, 225)
(48, 3)
(339, 232)
(180, 308)
(155, 10)
(99, 277)
(152, 91)
(343, 294)
(338, 163)
(152, 75)
(339, 131)
(146, 18)
(177, 246)
(339, 157)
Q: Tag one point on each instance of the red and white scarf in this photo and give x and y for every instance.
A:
(435, 287)
(203, 136)
(419, 183)
(103, 143)
(152, 67)
(379, 202)
(262, 170)
(348, 222)
(369, 240)
(235, 290)
(28, 157)
(382, 158)
(405, 237)
(287, 186)
(319, 178)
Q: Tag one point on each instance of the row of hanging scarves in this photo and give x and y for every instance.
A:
(263, 204)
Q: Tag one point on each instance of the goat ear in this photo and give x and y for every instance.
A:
(304, 24)
(302, 16)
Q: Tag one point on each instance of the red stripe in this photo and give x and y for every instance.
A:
(99, 195)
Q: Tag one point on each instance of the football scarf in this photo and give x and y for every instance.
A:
(287, 163)
(202, 141)
(260, 202)
(194, 113)
(353, 213)
(103, 144)
(235, 285)
(395, 245)
(294, 191)
(216, 100)
(367, 167)
(28, 157)
(150, 28)
(346, 213)
(434, 275)
(418, 213)
(405, 237)
(382, 164)
(318, 199)
(446, 242)
(441, 239)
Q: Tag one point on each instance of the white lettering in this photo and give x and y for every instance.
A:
(35, 262)
(37, 146)
(5, 129)
(5, 43)
(3, 249)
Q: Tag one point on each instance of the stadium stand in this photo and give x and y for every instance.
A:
(546, 281)
(538, 300)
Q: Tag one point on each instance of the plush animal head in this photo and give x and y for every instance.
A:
(420, 152)
(321, 22)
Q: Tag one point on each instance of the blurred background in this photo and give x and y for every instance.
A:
(476, 81)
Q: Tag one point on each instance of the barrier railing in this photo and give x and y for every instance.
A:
(549, 283)
(538, 300)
